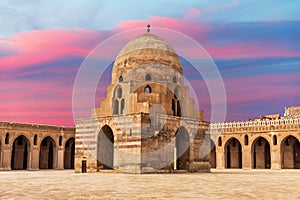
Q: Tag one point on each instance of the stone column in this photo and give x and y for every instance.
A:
(6, 158)
(220, 158)
(246, 157)
(60, 158)
(275, 159)
(35, 159)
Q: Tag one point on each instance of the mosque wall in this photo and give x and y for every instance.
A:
(142, 143)
(147, 123)
(258, 144)
(36, 146)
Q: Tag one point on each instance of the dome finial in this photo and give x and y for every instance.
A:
(148, 28)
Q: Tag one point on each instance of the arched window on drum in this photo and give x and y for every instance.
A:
(176, 107)
(148, 77)
(118, 101)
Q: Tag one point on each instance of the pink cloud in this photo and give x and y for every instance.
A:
(248, 92)
(49, 101)
(250, 50)
(199, 30)
(36, 101)
(40, 46)
(262, 87)
(36, 47)
(189, 27)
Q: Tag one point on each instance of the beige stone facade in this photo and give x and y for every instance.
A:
(36, 146)
(147, 123)
(257, 144)
(293, 111)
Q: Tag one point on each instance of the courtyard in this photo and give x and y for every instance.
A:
(220, 184)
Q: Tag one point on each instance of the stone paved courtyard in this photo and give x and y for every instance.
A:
(228, 184)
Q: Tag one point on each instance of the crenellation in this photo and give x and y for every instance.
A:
(262, 143)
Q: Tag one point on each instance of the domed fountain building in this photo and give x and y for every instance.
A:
(147, 123)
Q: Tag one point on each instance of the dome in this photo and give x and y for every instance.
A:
(146, 41)
(145, 49)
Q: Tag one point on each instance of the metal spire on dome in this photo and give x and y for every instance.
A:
(148, 28)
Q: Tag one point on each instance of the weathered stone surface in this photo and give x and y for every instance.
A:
(147, 112)
(36, 146)
(257, 144)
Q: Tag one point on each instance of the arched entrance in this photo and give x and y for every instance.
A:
(290, 153)
(20, 153)
(47, 153)
(261, 156)
(182, 149)
(233, 154)
(212, 154)
(69, 154)
(105, 148)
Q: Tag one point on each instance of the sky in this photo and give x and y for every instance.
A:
(255, 45)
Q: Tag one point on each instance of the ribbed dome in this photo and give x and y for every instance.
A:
(145, 49)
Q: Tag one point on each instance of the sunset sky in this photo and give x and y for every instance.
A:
(255, 45)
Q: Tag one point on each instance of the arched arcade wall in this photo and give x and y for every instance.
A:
(264, 143)
(34, 146)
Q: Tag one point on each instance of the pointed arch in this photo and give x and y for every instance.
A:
(219, 141)
(260, 153)
(174, 79)
(233, 153)
(246, 140)
(176, 106)
(147, 89)
(60, 140)
(274, 140)
(47, 153)
(7, 138)
(182, 148)
(290, 153)
(148, 77)
(120, 79)
(35, 139)
(118, 101)
(105, 148)
(20, 153)
(69, 153)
